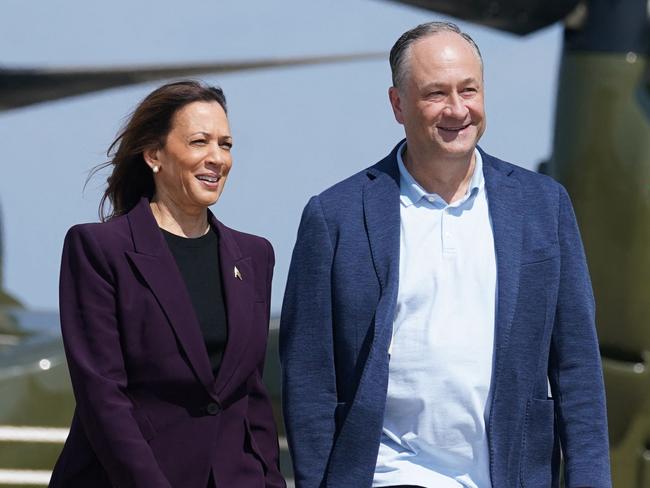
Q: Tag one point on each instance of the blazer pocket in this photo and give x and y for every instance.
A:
(540, 254)
(538, 444)
(250, 440)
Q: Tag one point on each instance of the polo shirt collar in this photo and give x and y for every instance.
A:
(411, 192)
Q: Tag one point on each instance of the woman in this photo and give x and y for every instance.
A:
(165, 312)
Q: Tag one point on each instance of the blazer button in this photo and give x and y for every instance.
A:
(212, 408)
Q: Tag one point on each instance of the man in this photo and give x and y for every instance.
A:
(438, 323)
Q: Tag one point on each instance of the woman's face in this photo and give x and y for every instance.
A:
(195, 160)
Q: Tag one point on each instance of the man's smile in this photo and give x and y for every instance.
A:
(453, 129)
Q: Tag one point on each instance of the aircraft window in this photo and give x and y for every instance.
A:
(10, 332)
(19, 322)
(9, 340)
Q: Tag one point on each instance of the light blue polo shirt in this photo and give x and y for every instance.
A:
(441, 353)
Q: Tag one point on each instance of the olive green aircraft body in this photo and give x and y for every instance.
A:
(601, 154)
(36, 400)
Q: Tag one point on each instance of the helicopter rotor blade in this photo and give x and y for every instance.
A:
(20, 87)
(515, 16)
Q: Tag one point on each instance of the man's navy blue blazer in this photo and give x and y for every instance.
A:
(337, 323)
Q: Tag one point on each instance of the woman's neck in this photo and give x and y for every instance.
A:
(178, 221)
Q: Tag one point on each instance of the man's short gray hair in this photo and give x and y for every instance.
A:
(399, 52)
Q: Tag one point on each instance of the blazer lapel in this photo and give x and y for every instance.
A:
(381, 210)
(504, 203)
(237, 278)
(154, 261)
(382, 217)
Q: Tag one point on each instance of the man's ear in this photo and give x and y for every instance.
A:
(396, 103)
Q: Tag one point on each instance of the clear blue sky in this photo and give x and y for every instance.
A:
(296, 131)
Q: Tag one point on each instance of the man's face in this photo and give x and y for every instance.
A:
(441, 101)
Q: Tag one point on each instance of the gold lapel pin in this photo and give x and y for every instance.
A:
(237, 274)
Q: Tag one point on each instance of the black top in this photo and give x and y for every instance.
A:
(198, 262)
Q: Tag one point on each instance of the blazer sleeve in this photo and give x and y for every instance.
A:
(260, 412)
(575, 371)
(306, 350)
(91, 338)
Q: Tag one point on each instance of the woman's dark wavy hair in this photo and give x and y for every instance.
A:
(147, 127)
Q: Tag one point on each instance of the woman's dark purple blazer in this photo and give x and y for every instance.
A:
(150, 413)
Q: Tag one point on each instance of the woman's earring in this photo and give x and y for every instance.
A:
(155, 169)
